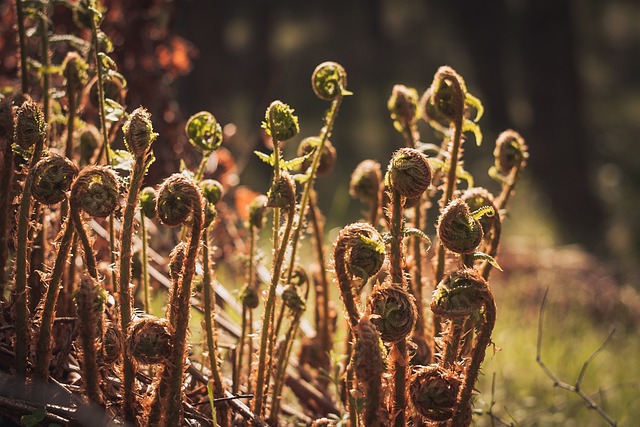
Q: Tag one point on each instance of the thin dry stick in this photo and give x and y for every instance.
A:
(591, 404)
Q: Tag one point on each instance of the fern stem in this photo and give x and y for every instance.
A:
(43, 346)
(207, 284)
(124, 289)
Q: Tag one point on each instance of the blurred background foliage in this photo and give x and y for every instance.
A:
(565, 74)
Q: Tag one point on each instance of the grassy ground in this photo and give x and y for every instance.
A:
(584, 305)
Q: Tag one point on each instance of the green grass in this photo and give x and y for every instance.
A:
(524, 395)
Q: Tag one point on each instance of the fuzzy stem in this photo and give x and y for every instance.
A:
(237, 374)
(22, 41)
(6, 210)
(207, 283)
(105, 140)
(90, 330)
(411, 139)
(455, 148)
(20, 297)
(324, 326)
(477, 357)
(397, 271)
(344, 283)
(89, 258)
(66, 306)
(71, 118)
(397, 276)
(308, 185)
(145, 260)
(452, 343)
(268, 312)
(501, 203)
(282, 366)
(181, 322)
(266, 339)
(241, 343)
(197, 178)
(400, 384)
(124, 290)
(43, 346)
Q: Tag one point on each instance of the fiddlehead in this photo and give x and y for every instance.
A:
(75, 73)
(280, 122)
(90, 300)
(459, 294)
(478, 198)
(30, 127)
(95, 191)
(329, 81)
(282, 194)
(366, 185)
(138, 133)
(458, 230)
(434, 392)
(403, 105)
(369, 365)
(204, 132)
(409, 172)
(149, 340)
(327, 156)
(358, 252)
(29, 134)
(52, 179)
(393, 311)
(179, 198)
(112, 344)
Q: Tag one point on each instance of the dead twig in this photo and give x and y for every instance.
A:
(576, 388)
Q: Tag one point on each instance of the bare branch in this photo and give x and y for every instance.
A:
(591, 404)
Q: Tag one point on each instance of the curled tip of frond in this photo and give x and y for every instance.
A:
(479, 197)
(95, 191)
(176, 260)
(393, 311)
(258, 211)
(460, 294)
(434, 392)
(279, 121)
(178, 197)
(510, 152)
(149, 340)
(138, 132)
(283, 193)
(458, 231)
(409, 172)
(212, 190)
(89, 141)
(53, 176)
(329, 81)
(30, 127)
(403, 105)
(327, 158)
(249, 297)
(204, 131)
(75, 71)
(112, 344)
(365, 181)
(361, 248)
